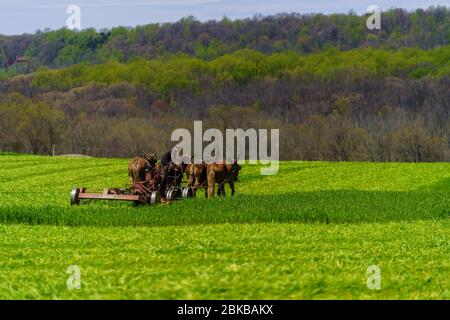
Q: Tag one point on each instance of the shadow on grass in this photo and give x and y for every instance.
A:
(442, 185)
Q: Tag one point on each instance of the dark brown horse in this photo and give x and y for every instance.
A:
(138, 165)
(171, 176)
(221, 174)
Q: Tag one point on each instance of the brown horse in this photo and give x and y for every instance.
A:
(138, 165)
(221, 173)
(197, 177)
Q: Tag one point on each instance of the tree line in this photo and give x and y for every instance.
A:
(300, 33)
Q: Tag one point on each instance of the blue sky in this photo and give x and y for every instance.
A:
(21, 16)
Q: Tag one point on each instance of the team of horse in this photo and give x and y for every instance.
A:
(146, 168)
(155, 182)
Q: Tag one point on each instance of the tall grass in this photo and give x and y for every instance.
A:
(35, 190)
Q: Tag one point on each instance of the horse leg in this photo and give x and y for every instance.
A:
(211, 191)
(192, 183)
(134, 178)
(130, 176)
(231, 183)
(211, 184)
(222, 186)
(203, 185)
(196, 185)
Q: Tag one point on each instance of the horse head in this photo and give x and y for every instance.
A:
(150, 157)
(235, 168)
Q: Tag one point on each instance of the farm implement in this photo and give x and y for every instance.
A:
(157, 187)
(139, 194)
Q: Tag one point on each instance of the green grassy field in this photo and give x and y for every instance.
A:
(309, 232)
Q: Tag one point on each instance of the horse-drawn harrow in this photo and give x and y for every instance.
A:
(136, 194)
(151, 191)
(153, 183)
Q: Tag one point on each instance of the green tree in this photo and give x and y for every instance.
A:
(40, 127)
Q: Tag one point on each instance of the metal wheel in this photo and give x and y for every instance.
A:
(74, 199)
(170, 194)
(174, 194)
(155, 198)
(188, 192)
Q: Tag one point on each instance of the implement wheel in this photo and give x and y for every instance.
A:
(155, 198)
(188, 192)
(74, 197)
(173, 194)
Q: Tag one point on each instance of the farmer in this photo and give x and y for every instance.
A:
(166, 158)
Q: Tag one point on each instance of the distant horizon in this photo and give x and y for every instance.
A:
(34, 15)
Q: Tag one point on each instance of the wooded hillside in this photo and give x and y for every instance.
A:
(337, 90)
